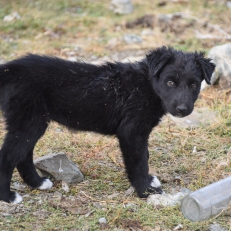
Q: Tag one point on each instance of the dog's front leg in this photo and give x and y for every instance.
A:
(135, 153)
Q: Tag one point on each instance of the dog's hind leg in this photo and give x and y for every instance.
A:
(28, 173)
(24, 127)
(17, 152)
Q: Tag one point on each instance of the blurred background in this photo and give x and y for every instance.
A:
(115, 29)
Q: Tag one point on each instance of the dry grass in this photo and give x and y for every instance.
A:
(88, 29)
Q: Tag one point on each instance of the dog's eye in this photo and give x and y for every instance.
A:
(170, 83)
(194, 86)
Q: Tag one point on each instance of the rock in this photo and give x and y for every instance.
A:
(129, 191)
(225, 82)
(196, 118)
(131, 206)
(216, 227)
(221, 56)
(166, 199)
(131, 38)
(65, 186)
(121, 6)
(59, 167)
(11, 17)
(228, 4)
(102, 220)
(147, 32)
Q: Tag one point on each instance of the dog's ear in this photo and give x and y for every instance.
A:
(206, 66)
(158, 58)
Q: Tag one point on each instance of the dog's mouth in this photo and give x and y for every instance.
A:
(179, 115)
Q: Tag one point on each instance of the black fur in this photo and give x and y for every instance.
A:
(122, 99)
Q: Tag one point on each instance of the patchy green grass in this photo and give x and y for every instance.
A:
(87, 28)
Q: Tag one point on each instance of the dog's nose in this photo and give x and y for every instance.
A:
(181, 108)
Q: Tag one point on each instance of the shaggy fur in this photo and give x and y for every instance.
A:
(122, 99)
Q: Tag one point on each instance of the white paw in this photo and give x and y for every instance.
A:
(17, 200)
(155, 182)
(47, 184)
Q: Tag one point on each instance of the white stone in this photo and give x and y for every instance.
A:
(122, 6)
(11, 17)
(131, 38)
(165, 199)
(217, 227)
(102, 220)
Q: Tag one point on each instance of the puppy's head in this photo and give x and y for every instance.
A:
(176, 77)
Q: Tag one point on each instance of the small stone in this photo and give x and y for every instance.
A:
(57, 195)
(132, 207)
(131, 38)
(147, 32)
(129, 191)
(97, 205)
(59, 167)
(228, 4)
(165, 199)
(177, 179)
(65, 186)
(11, 17)
(102, 220)
(122, 6)
(217, 227)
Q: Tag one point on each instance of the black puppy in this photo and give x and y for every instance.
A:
(122, 99)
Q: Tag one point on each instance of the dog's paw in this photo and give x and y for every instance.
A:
(155, 183)
(17, 199)
(151, 186)
(46, 184)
